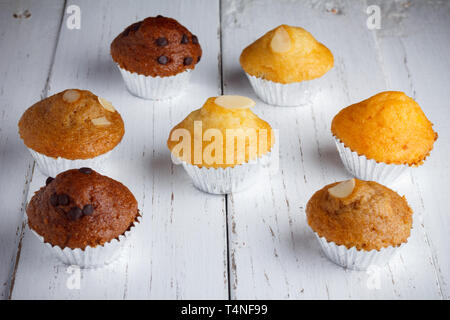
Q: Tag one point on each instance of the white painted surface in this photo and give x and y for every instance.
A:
(181, 250)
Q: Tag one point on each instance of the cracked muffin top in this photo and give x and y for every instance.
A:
(361, 214)
(229, 125)
(80, 208)
(287, 54)
(156, 46)
(72, 124)
(389, 127)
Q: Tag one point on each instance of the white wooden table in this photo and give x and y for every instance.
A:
(249, 245)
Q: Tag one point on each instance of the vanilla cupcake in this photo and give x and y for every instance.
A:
(359, 223)
(155, 57)
(71, 129)
(281, 64)
(223, 146)
(381, 137)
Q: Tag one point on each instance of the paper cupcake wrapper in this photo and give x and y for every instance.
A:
(50, 166)
(279, 94)
(92, 257)
(369, 169)
(227, 180)
(356, 259)
(155, 88)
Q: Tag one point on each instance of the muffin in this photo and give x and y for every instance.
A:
(381, 137)
(83, 216)
(155, 57)
(73, 128)
(281, 64)
(223, 146)
(359, 223)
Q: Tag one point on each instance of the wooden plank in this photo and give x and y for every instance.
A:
(179, 251)
(273, 253)
(416, 62)
(28, 33)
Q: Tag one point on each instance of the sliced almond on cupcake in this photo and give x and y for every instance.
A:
(234, 102)
(70, 96)
(102, 121)
(106, 104)
(281, 41)
(342, 189)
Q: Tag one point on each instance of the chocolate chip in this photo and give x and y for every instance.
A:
(63, 199)
(187, 61)
(74, 213)
(54, 200)
(163, 60)
(194, 39)
(198, 59)
(159, 16)
(85, 170)
(88, 209)
(49, 180)
(184, 39)
(136, 26)
(161, 42)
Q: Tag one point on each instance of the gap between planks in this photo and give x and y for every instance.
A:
(30, 172)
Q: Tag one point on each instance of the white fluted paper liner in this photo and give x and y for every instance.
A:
(155, 88)
(50, 166)
(356, 259)
(227, 180)
(369, 169)
(279, 94)
(92, 257)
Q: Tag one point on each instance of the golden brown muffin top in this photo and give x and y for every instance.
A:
(244, 128)
(156, 46)
(389, 127)
(287, 54)
(371, 217)
(72, 124)
(81, 208)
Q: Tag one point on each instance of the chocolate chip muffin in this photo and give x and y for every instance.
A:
(154, 49)
(69, 126)
(156, 46)
(80, 208)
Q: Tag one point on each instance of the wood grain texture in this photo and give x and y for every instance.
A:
(182, 248)
(182, 237)
(24, 68)
(415, 60)
(273, 253)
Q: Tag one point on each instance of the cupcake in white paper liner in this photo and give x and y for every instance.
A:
(71, 129)
(50, 166)
(156, 88)
(92, 257)
(284, 65)
(227, 180)
(359, 223)
(382, 137)
(230, 145)
(356, 259)
(155, 57)
(369, 169)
